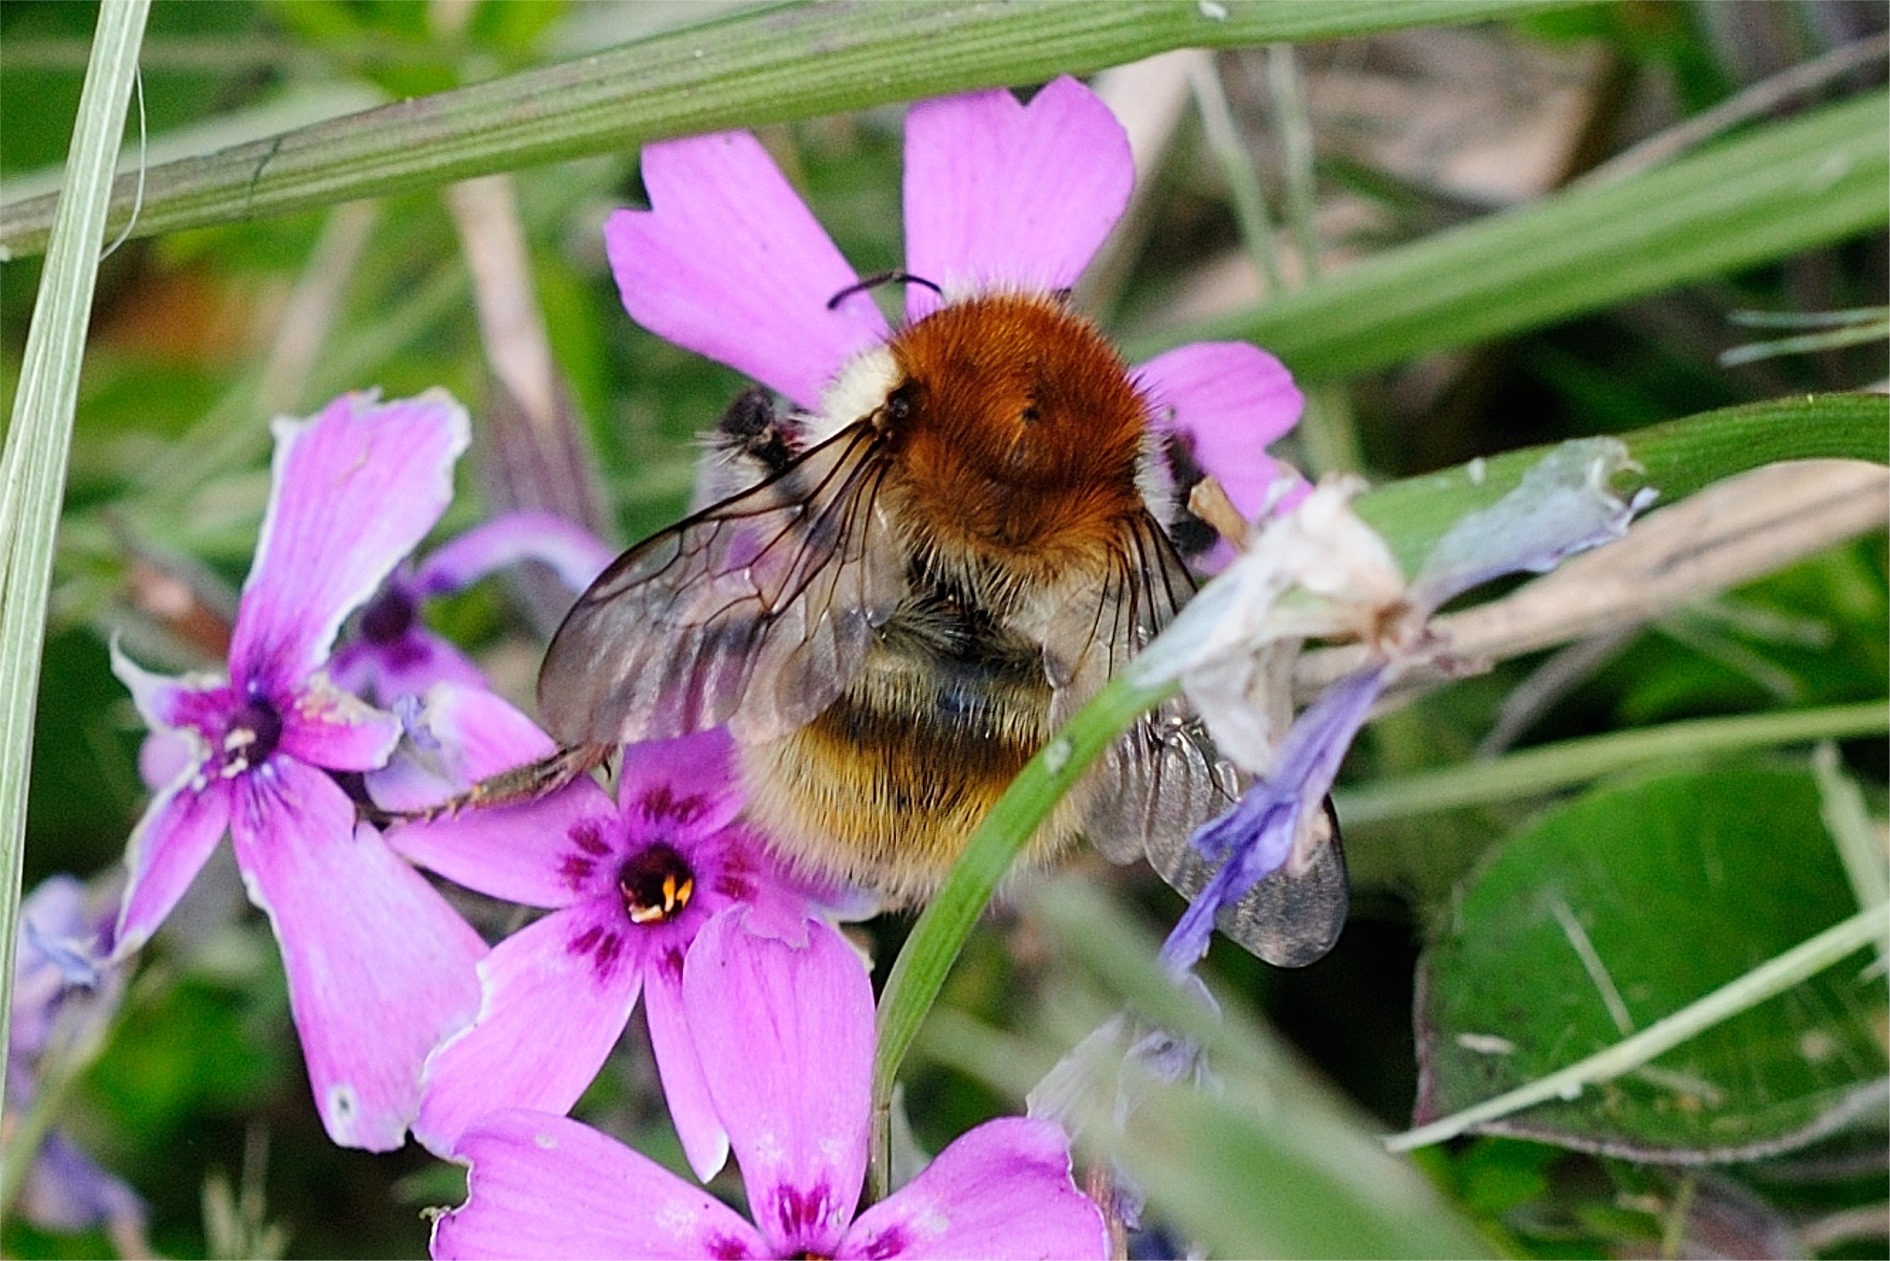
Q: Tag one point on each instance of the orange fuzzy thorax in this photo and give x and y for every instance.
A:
(1021, 433)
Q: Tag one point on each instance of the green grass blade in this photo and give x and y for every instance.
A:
(1767, 194)
(1769, 979)
(1571, 762)
(919, 972)
(778, 64)
(39, 436)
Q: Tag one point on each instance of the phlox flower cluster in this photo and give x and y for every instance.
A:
(340, 721)
(409, 1020)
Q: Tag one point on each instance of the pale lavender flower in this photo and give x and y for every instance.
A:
(999, 196)
(64, 998)
(393, 654)
(630, 884)
(1562, 505)
(379, 967)
(784, 1026)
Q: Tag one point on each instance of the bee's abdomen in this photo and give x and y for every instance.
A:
(884, 788)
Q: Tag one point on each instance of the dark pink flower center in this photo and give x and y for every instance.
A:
(254, 732)
(802, 1214)
(388, 617)
(656, 883)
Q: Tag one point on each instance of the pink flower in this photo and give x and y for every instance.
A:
(784, 1027)
(379, 967)
(998, 196)
(630, 883)
(394, 654)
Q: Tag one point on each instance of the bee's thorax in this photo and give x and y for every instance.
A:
(1016, 434)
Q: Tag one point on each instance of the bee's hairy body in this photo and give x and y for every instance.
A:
(893, 601)
(886, 785)
(1014, 450)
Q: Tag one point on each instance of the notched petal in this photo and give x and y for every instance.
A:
(731, 264)
(999, 194)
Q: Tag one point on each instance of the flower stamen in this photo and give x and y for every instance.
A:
(253, 734)
(656, 884)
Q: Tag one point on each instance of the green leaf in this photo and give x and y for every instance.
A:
(1767, 194)
(1608, 915)
(775, 65)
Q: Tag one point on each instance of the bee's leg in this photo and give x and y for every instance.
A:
(508, 788)
(1191, 535)
(751, 443)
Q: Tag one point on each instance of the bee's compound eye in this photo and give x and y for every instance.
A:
(899, 404)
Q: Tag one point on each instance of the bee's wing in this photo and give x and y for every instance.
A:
(1292, 917)
(1163, 779)
(755, 612)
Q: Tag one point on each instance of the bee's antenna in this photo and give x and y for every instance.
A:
(876, 280)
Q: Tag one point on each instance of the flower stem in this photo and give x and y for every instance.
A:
(1242, 177)
(919, 972)
(1296, 153)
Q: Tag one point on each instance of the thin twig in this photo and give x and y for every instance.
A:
(1732, 532)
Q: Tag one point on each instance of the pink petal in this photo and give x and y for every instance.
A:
(691, 779)
(408, 667)
(1226, 401)
(168, 848)
(685, 1089)
(542, 852)
(380, 968)
(730, 263)
(544, 1186)
(354, 490)
(786, 1040)
(164, 757)
(548, 852)
(172, 704)
(556, 997)
(325, 726)
(459, 735)
(1011, 196)
(1002, 1190)
(575, 554)
(782, 900)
